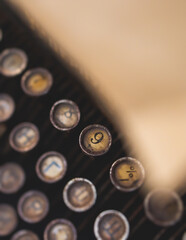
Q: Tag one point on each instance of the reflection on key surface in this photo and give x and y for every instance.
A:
(12, 62)
(65, 115)
(95, 140)
(24, 137)
(60, 229)
(7, 107)
(8, 219)
(111, 225)
(51, 167)
(12, 178)
(163, 207)
(79, 194)
(127, 174)
(33, 206)
(36, 82)
(25, 235)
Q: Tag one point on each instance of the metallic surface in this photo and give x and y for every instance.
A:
(36, 82)
(36, 110)
(33, 206)
(65, 115)
(79, 194)
(163, 207)
(111, 225)
(60, 229)
(13, 61)
(12, 178)
(95, 140)
(7, 107)
(8, 219)
(24, 137)
(127, 174)
(51, 167)
(25, 235)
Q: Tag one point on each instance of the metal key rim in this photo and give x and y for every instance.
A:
(66, 199)
(38, 171)
(107, 212)
(85, 130)
(25, 196)
(14, 130)
(58, 221)
(31, 72)
(52, 111)
(24, 62)
(6, 191)
(20, 233)
(117, 186)
(12, 103)
(159, 222)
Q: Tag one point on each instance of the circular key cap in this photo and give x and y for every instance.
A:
(12, 178)
(111, 225)
(95, 140)
(163, 207)
(7, 107)
(51, 167)
(37, 82)
(127, 174)
(79, 194)
(64, 115)
(12, 62)
(61, 229)
(24, 137)
(33, 206)
(25, 235)
(8, 219)
(1, 34)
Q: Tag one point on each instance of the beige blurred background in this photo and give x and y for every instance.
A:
(132, 55)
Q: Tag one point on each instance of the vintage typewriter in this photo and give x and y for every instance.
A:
(59, 174)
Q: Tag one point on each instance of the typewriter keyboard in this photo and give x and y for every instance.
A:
(64, 173)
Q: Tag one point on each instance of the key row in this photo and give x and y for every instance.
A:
(56, 229)
(126, 174)
(163, 207)
(34, 82)
(79, 194)
(64, 114)
(94, 140)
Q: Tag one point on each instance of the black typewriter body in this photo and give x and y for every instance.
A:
(66, 85)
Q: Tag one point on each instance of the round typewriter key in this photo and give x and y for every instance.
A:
(127, 174)
(95, 140)
(79, 194)
(61, 229)
(51, 167)
(65, 115)
(7, 107)
(25, 235)
(12, 62)
(8, 219)
(36, 82)
(12, 178)
(163, 207)
(33, 206)
(111, 225)
(24, 137)
(1, 35)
